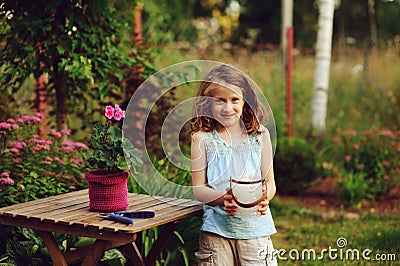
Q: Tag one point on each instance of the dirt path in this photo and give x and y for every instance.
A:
(323, 197)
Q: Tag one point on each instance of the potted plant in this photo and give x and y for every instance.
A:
(110, 158)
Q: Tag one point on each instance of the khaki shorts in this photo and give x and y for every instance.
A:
(221, 251)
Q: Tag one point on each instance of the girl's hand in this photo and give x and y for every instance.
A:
(229, 205)
(263, 204)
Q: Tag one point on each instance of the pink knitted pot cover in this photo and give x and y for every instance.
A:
(108, 193)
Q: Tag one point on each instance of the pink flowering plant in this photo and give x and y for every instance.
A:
(110, 151)
(32, 167)
(373, 157)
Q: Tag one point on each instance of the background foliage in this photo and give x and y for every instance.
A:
(91, 54)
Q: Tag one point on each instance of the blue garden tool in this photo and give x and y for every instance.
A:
(127, 217)
(137, 214)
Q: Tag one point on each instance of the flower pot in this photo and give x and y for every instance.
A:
(107, 192)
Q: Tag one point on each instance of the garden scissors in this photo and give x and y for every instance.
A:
(127, 217)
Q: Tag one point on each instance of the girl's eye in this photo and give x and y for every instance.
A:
(218, 101)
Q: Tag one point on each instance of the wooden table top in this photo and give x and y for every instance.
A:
(69, 213)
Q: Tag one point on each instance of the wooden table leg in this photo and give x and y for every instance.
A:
(99, 247)
(55, 253)
(132, 252)
(160, 243)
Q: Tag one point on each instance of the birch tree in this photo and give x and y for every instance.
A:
(322, 66)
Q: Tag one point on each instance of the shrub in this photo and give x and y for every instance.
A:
(295, 165)
(373, 154)
(32, 167)
(354, 188)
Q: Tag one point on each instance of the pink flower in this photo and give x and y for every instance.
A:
(387, 133)
(39, 115)
(386, 177)
(347, 158)
(34, 119)
(40, 147)
(42, 141)
(81, 145)
(109, 112)
(4, 125)
(76, 161)
(119, 113)
(19, 144)
(55, 133)
(14, 150)
(66, 132)
(5, 174)
(349, 132)
(60, 161)
(336, 139)
(28, 119)
(10, 120)
(70, 145)
(116, 112)
(356, 146)
(6, 181)
(68, 149)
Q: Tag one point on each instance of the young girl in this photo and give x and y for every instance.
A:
(228, 140)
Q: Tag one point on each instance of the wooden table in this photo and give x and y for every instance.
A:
(69, 213)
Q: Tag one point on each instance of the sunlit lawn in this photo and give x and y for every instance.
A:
(301, 230)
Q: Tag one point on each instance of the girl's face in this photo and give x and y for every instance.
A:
(227, 105)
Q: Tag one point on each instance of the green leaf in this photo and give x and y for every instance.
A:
(115, 134)
(33, 174)
(176, 233)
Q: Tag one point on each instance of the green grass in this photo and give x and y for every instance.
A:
(302, 229)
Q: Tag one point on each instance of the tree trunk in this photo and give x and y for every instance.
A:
(287, 22)
(41, 99)
(138, 37)
(372, 23)
(61, 98)
(59, 77)
(137, 29)
(322, 66)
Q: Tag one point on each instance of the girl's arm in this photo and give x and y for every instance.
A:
(267, 169)
(201, 191)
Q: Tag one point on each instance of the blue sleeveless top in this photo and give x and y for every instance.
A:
(225, 160)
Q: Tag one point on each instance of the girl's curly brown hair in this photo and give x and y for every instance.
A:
(225, 75)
